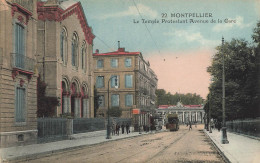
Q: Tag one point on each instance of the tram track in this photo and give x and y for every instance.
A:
(168, 146)
(159, 152)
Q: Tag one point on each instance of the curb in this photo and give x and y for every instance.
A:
(224, 157)
(50, 153)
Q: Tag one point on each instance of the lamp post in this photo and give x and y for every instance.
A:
(210, 130)
(108, 119)
(224, 128)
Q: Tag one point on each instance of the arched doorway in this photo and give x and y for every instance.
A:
(84, 101)
(75, 98)
(65, 99)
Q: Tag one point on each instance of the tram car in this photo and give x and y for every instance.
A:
(173, 122)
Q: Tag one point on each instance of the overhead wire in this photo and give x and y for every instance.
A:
(112, 49)
(146, 26)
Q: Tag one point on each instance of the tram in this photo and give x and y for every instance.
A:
(173, 122)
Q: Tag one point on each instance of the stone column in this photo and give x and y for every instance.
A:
(85, 108)
(196, 117)
(77, 107)
(66, 104)
(183, 120)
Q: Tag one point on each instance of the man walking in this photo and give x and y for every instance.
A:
(190, 128)
(127, 128)
(123, 128)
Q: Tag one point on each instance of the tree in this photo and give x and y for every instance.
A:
(256, 38)
(239, 80)
(164, 98)
(115, 112)
(46, 106)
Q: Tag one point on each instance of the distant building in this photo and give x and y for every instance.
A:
(65, 42)
(137, 82)
(186, 113)
(18, 80)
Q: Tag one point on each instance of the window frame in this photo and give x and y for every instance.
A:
(126, 62)
(118, 100)
(74, 50)
(126, 86)
(132, 97)
(102, 65)
(112, 61)
(24, 110)
(97, 82)
(113, 81)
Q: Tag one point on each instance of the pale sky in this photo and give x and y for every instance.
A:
(160, 43)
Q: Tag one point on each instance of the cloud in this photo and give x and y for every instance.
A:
(227, 25)
(132, 11)
(191, 36)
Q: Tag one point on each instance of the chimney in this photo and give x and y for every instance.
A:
(97, 51)
(121, 49)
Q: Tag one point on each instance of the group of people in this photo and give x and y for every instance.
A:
(116, 128)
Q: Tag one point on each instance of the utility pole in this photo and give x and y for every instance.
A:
(224, 128)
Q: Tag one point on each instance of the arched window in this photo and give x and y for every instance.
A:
(63, 45)
(74, 49)
(83, 56)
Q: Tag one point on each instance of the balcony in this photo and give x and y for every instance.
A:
(26, 4)
(22, 62)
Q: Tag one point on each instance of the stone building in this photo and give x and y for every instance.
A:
(186, 113)
(136, 82)
(65, 42)
(18, 80)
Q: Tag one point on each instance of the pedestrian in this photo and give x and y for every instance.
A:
(127, 128)
(114, 129)
(190, 128)
(117, 129)
(219, 126)
(123, 128)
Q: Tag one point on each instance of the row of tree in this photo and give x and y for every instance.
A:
(164, 98)
(242, 73)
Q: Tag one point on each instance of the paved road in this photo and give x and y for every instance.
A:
(181, 146)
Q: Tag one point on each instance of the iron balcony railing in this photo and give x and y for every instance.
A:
(27, 4)
(22, 62)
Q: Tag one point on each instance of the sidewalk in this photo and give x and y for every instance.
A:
(240, 149)
(77, 141)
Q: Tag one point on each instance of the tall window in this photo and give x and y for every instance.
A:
(83, 56)
(100, 63)
(114, 63)
(100, 82)
(128, 100)
(128, 62)
(19, 45)
(113, 81)
(74, 47)
(101, 100)
(128, 81)
(20, 104)
(63, 45)
(115, 100)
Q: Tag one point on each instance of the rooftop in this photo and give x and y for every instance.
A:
(120, 51)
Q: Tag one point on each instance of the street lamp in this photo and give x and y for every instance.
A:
(108, 119)
(210, 130)
(224, 128)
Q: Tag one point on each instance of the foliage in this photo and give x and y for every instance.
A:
(164, 98)
(115, 112)
(241, 73)
(46, 106)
